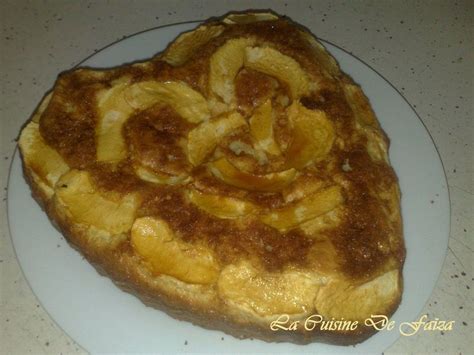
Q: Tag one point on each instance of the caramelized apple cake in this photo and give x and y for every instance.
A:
(235, 178)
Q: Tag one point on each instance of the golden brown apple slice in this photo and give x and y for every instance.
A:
(313, 136)
(166, 254)
(360, 105)
(114, 110)
(118, 103)
(314, 227)
(377, 146)
(310, 207)
(261, 128)
(267, 294)
(344, 299)
(321, 55)
(250, 17)
(301, 187)
(45, 162)
(203, 139)
(161, 178)
(225, 171)
(108, 211)
(183, 47)
(187, 102)
(224, 66)
(287, 70)
(323, 257)
(220, 206)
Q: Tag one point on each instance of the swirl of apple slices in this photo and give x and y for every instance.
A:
(240, 52)
(117, 104)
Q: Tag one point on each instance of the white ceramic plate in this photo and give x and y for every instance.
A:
(102, 318)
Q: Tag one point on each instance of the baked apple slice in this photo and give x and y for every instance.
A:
(221, 206)
(224, 66)
(46, 164)
(287, 70)
(181, 49)
(187, 102)
(261, 128)
(113, 112)
(117, 104)
(313, 136)
(203, 139)
(266, 293)
(161, 178)
(225, 171)
(166, 254)
(309, 207)
(109, 211)
(343, 299)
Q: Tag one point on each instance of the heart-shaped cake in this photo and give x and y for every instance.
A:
(238, 180)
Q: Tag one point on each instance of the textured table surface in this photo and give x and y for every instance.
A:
(424, 48)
